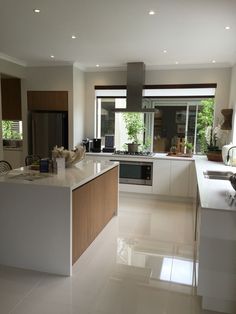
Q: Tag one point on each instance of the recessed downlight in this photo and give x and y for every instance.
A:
(151, 12)
(176, 62)
(227, 27)
(73, 37)
(97, 65)
(52, 56)
(164, 51)
(213, 61)
(36, 10)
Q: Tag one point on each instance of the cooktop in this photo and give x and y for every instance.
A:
(125, 152)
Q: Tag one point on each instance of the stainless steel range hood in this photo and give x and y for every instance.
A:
(135, 83)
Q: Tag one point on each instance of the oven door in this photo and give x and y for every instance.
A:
(139, 173)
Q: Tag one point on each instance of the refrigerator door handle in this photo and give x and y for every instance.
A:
(33, 136)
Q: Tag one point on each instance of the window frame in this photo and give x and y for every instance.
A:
(195, 91)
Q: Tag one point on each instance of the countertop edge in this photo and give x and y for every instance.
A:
(72, 177)
(92, 177)
(213, 193)
(156, 156)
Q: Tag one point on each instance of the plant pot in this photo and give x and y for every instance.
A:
(189, 151)
(132, 147)
(214, 155)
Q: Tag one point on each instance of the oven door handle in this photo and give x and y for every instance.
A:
(150, 164)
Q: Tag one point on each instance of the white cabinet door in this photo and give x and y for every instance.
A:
(161, 177)
(179, 178)
(192, 187)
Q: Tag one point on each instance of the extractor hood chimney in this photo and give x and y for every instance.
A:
(135, 83)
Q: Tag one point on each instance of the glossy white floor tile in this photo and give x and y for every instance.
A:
(142, 263)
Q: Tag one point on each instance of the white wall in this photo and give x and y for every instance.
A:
(98, 78)
(78, 105)
(12, 69)
(232, 102)
(67, 78)
(53, 78)
(221, 77)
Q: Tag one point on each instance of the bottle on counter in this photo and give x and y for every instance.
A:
(44, 165)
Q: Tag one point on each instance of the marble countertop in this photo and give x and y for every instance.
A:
(214, 194)
(72, 177)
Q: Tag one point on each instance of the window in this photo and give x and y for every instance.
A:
(177, 122)
(12, 130)
(174, 122)
(110, 122)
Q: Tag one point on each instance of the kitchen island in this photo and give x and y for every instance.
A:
(48, 220)
(216, 239)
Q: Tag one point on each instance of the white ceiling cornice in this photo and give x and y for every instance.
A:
(12, 59)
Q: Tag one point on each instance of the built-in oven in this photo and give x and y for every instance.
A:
(135, 172)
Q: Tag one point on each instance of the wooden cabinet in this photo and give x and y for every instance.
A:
(94, 204)
(47, 100)
(11, 99)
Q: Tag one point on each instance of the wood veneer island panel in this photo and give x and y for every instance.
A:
(94, 204)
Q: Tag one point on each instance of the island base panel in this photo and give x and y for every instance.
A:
(94, 204)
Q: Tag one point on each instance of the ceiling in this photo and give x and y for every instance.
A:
(111, 32)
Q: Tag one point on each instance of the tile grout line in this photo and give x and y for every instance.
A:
(25, 296)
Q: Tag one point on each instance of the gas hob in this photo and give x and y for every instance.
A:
(126, 153)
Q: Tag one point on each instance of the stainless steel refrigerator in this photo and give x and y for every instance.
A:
(46, 130)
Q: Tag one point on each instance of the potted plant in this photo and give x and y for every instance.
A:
(214, 153)
(189, 148)
(134, 126)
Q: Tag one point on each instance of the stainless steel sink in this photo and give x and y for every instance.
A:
(217, 175)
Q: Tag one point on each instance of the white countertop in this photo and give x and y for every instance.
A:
(152, 157)
(71, 177)
(213, 193)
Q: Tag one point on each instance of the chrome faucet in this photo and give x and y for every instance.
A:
(227, 158)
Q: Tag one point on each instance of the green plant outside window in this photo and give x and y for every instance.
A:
(134, 125)
(205, 118)
(8, 131)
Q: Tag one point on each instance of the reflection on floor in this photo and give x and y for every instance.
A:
(144, 262)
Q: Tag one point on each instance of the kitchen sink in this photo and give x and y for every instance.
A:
(217, 175)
